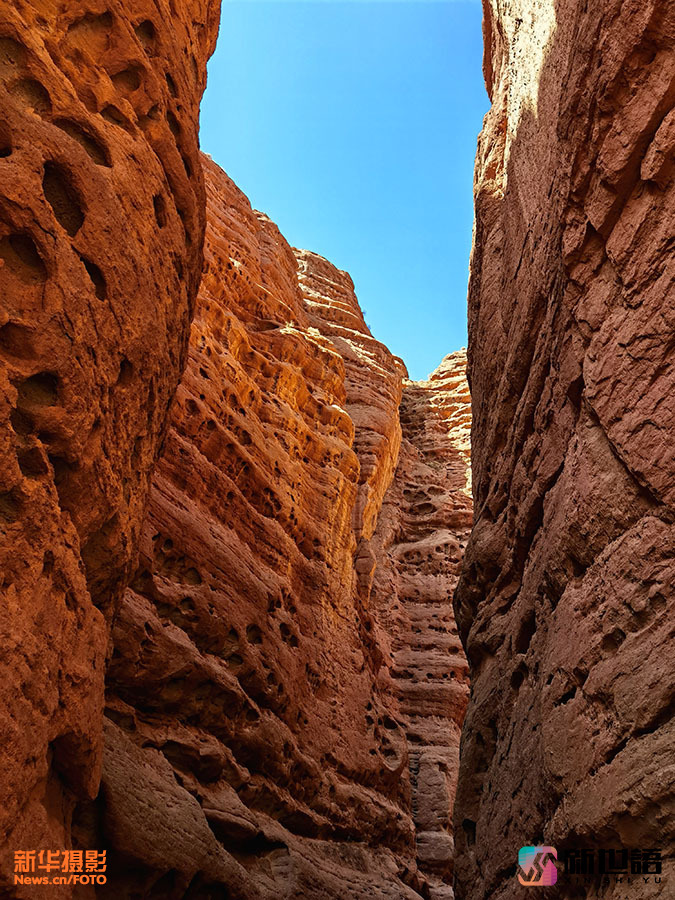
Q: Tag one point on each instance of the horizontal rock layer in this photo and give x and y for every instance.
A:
(101, 226)
(254, 688)
(566, 604)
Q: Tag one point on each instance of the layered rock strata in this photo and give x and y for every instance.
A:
(251, 685)
(101, 226)
(566, 601)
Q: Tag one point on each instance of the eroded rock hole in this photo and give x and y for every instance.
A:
(91, 33)
(575, 392)
(469, 829)
(90, 144)
(159, 204)
(96, 277)
(33, 463)
(254, 634)
(518, 677)
(62, 472)
(10, 506)
(20, 422)
(39, 390)
(192, 576)
(17, 340)
(171, 84)
(152, 115)
(22, 258)
(63, 198)
(126, 374)
(173, 124)
(183, 217)
(567, 696)
(612, 642)
(526, 633)
(113, 115)
(128, 80)
(146, 34)
(48, 563)
(31, 94)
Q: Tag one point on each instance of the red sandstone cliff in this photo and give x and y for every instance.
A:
(566, 600)
(252, 686)
(101, 225)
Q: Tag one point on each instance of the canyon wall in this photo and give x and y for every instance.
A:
(566, 601)
(101, 227)
(260, 687)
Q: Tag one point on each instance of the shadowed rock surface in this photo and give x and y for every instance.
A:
(101, 226)
(253, 679)
(566, 601)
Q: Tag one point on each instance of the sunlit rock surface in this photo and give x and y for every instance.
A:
(566, 600)
(252, 678)
(101, 224)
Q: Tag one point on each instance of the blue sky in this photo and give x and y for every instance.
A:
(353, 125)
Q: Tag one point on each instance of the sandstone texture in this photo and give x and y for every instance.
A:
(264, 725)
(422, 531)
(101, 225)
(566, 600)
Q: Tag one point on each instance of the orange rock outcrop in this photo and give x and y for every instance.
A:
(566, 599)
(101, 224)
(257, 678)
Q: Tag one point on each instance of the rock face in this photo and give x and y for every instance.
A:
(101, 227)
(252, 686)
(566, 600)
(421, 534)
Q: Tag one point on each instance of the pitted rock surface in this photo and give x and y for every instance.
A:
(101, 226)
(251, 664)
(566, 600)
